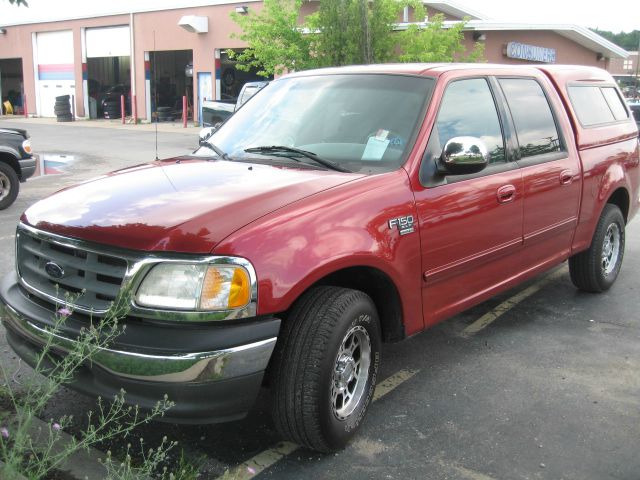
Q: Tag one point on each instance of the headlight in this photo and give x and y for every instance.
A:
(195, 287)
(26, 146)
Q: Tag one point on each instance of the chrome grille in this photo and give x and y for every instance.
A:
(91, 278)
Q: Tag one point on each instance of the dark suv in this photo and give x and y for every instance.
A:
(16, 163)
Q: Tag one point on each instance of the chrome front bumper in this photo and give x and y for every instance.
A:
(194, 367)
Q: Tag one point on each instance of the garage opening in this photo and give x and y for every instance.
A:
(11, 86)
(232, 79)
(108, 71)
(171, 79)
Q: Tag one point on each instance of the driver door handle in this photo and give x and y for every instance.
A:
(506, 193)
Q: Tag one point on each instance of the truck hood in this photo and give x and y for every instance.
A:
(181, 205)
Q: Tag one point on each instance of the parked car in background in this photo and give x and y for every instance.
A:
(16, 163)
(249, 90)
(215, 112)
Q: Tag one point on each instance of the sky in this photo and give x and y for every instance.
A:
(612, 15)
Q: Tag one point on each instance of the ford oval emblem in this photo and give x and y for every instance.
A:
(54, 270)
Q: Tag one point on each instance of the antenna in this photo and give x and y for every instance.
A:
(155, 91)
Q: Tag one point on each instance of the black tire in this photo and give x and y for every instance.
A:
(9, 185)
(64, 119)
(592, 271)
(308, 363)
(63, 98)
(62, 111)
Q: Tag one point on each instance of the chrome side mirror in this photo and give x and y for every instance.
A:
(463, 155)
(205, 133)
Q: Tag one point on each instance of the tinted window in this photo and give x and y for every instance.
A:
(468, 110)
(590, 105)
(635, 109)
(615, 103)
(535, 126)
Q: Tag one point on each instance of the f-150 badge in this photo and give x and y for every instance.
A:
(403, 224)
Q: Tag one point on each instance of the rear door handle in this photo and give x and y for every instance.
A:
(506, 193)
(566, 177)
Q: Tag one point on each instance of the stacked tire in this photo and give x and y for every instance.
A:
(62, 108)
(112, 109)
(165, 114)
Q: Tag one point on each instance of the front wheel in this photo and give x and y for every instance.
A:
(325, 367)
(9, 185)
(596, 269)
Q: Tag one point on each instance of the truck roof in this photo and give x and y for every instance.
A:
(574, 72)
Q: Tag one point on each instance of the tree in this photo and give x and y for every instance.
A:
(344, 32)
(19, 2)
(275, 42)
(432, 42)
(626, 40)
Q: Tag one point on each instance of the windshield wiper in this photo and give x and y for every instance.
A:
(218, 151)
(274, 149)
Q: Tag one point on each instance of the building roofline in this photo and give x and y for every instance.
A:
(456, 10)
(116, 12)
(581, 35)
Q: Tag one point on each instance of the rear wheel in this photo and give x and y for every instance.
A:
(9, 185)
(325, 367)
(596, 269)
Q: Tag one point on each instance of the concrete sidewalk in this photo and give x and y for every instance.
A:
(173, 127)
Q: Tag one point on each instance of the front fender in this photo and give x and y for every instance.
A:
(295, 246)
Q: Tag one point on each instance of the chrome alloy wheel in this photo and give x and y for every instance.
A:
(350, 372)
(610, 249)
(5, 186)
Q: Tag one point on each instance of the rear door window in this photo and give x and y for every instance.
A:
(534, 122)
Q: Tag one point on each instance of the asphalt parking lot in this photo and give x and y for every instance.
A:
(542, 382)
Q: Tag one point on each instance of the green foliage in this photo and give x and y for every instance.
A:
(28, 451)
(344, 32)
(432, 42)
(626, 40)
(276, 44)
(19, 2)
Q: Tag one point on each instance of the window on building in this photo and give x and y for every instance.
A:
(468, 110)
(535, 126)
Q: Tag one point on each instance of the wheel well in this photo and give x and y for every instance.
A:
(382, 291)
(620, 198)
(11, 161)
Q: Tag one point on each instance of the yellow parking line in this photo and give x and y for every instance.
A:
(392, 382)
(508, 304)
(266, 458)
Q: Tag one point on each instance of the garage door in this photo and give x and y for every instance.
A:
(54, 56)
(108, 42)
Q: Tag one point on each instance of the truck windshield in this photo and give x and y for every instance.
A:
(361, 122)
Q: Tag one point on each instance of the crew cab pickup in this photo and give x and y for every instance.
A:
(339, 209)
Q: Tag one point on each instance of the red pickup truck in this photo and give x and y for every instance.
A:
(339, 209)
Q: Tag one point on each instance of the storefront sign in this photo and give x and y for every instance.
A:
(531, 52)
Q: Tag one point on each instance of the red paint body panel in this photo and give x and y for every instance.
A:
(180, 207)
(296, 246)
